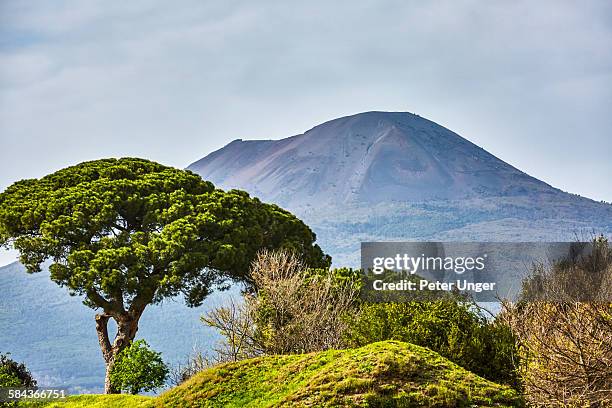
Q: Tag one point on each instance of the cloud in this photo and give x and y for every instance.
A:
(529, 81)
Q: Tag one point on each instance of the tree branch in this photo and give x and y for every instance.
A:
(102, 330)
(107, 306)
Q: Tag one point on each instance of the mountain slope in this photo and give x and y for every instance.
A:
(370, 157)
(381, 176)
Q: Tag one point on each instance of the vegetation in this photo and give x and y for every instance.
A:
(565, 334)
(127, 233)
(195, 362)
(452, 326)
(100, 401)
(138, 368)
(296, 310)
(385, 374)
(380, 374)
(14, 374)
(293, 310)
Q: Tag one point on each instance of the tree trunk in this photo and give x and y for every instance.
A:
(127, 326)
(108, 387)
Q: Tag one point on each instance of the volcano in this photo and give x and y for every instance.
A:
(371, 157)
(383, 176)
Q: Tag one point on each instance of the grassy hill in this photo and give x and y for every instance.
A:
(385, 374)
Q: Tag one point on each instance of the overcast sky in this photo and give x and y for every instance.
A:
(529, 81)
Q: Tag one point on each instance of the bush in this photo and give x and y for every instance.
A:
(565, 341)
(294, 310)
(452, 326)
(138, 368)
(195, 362)
(298, 310)
(13, 374)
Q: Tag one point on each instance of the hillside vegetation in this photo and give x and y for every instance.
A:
(101, 401)
(389, 374)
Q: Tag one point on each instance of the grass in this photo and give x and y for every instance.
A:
(99, 401)
(385, 374)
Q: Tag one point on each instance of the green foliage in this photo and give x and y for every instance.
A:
(385, 374)
(389, 374)
(341, 277)
(103, 401)
(138, 368)
(452, 327)
(131, 230)
(8, 379)
(13, 374)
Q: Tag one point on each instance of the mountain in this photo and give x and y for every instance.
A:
(369, 158)
(398, 176)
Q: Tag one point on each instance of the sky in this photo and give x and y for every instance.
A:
(531, 82)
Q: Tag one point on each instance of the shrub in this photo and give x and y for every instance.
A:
(195, 362)
(294, 309)
(236, 323)
(565, 341)
(453, 326)
(138, 368)
(13, 374)
(298, 310)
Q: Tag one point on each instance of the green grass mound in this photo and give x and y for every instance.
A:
(100, 401)
(385, 374)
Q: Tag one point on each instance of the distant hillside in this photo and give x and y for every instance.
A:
(386, 374)
(55, 335)
(383, 176)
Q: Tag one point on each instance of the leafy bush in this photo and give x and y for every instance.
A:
(138, 368)
(452, 326)
(13, 374)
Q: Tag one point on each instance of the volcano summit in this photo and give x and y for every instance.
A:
(398, 176)
(370, 157)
